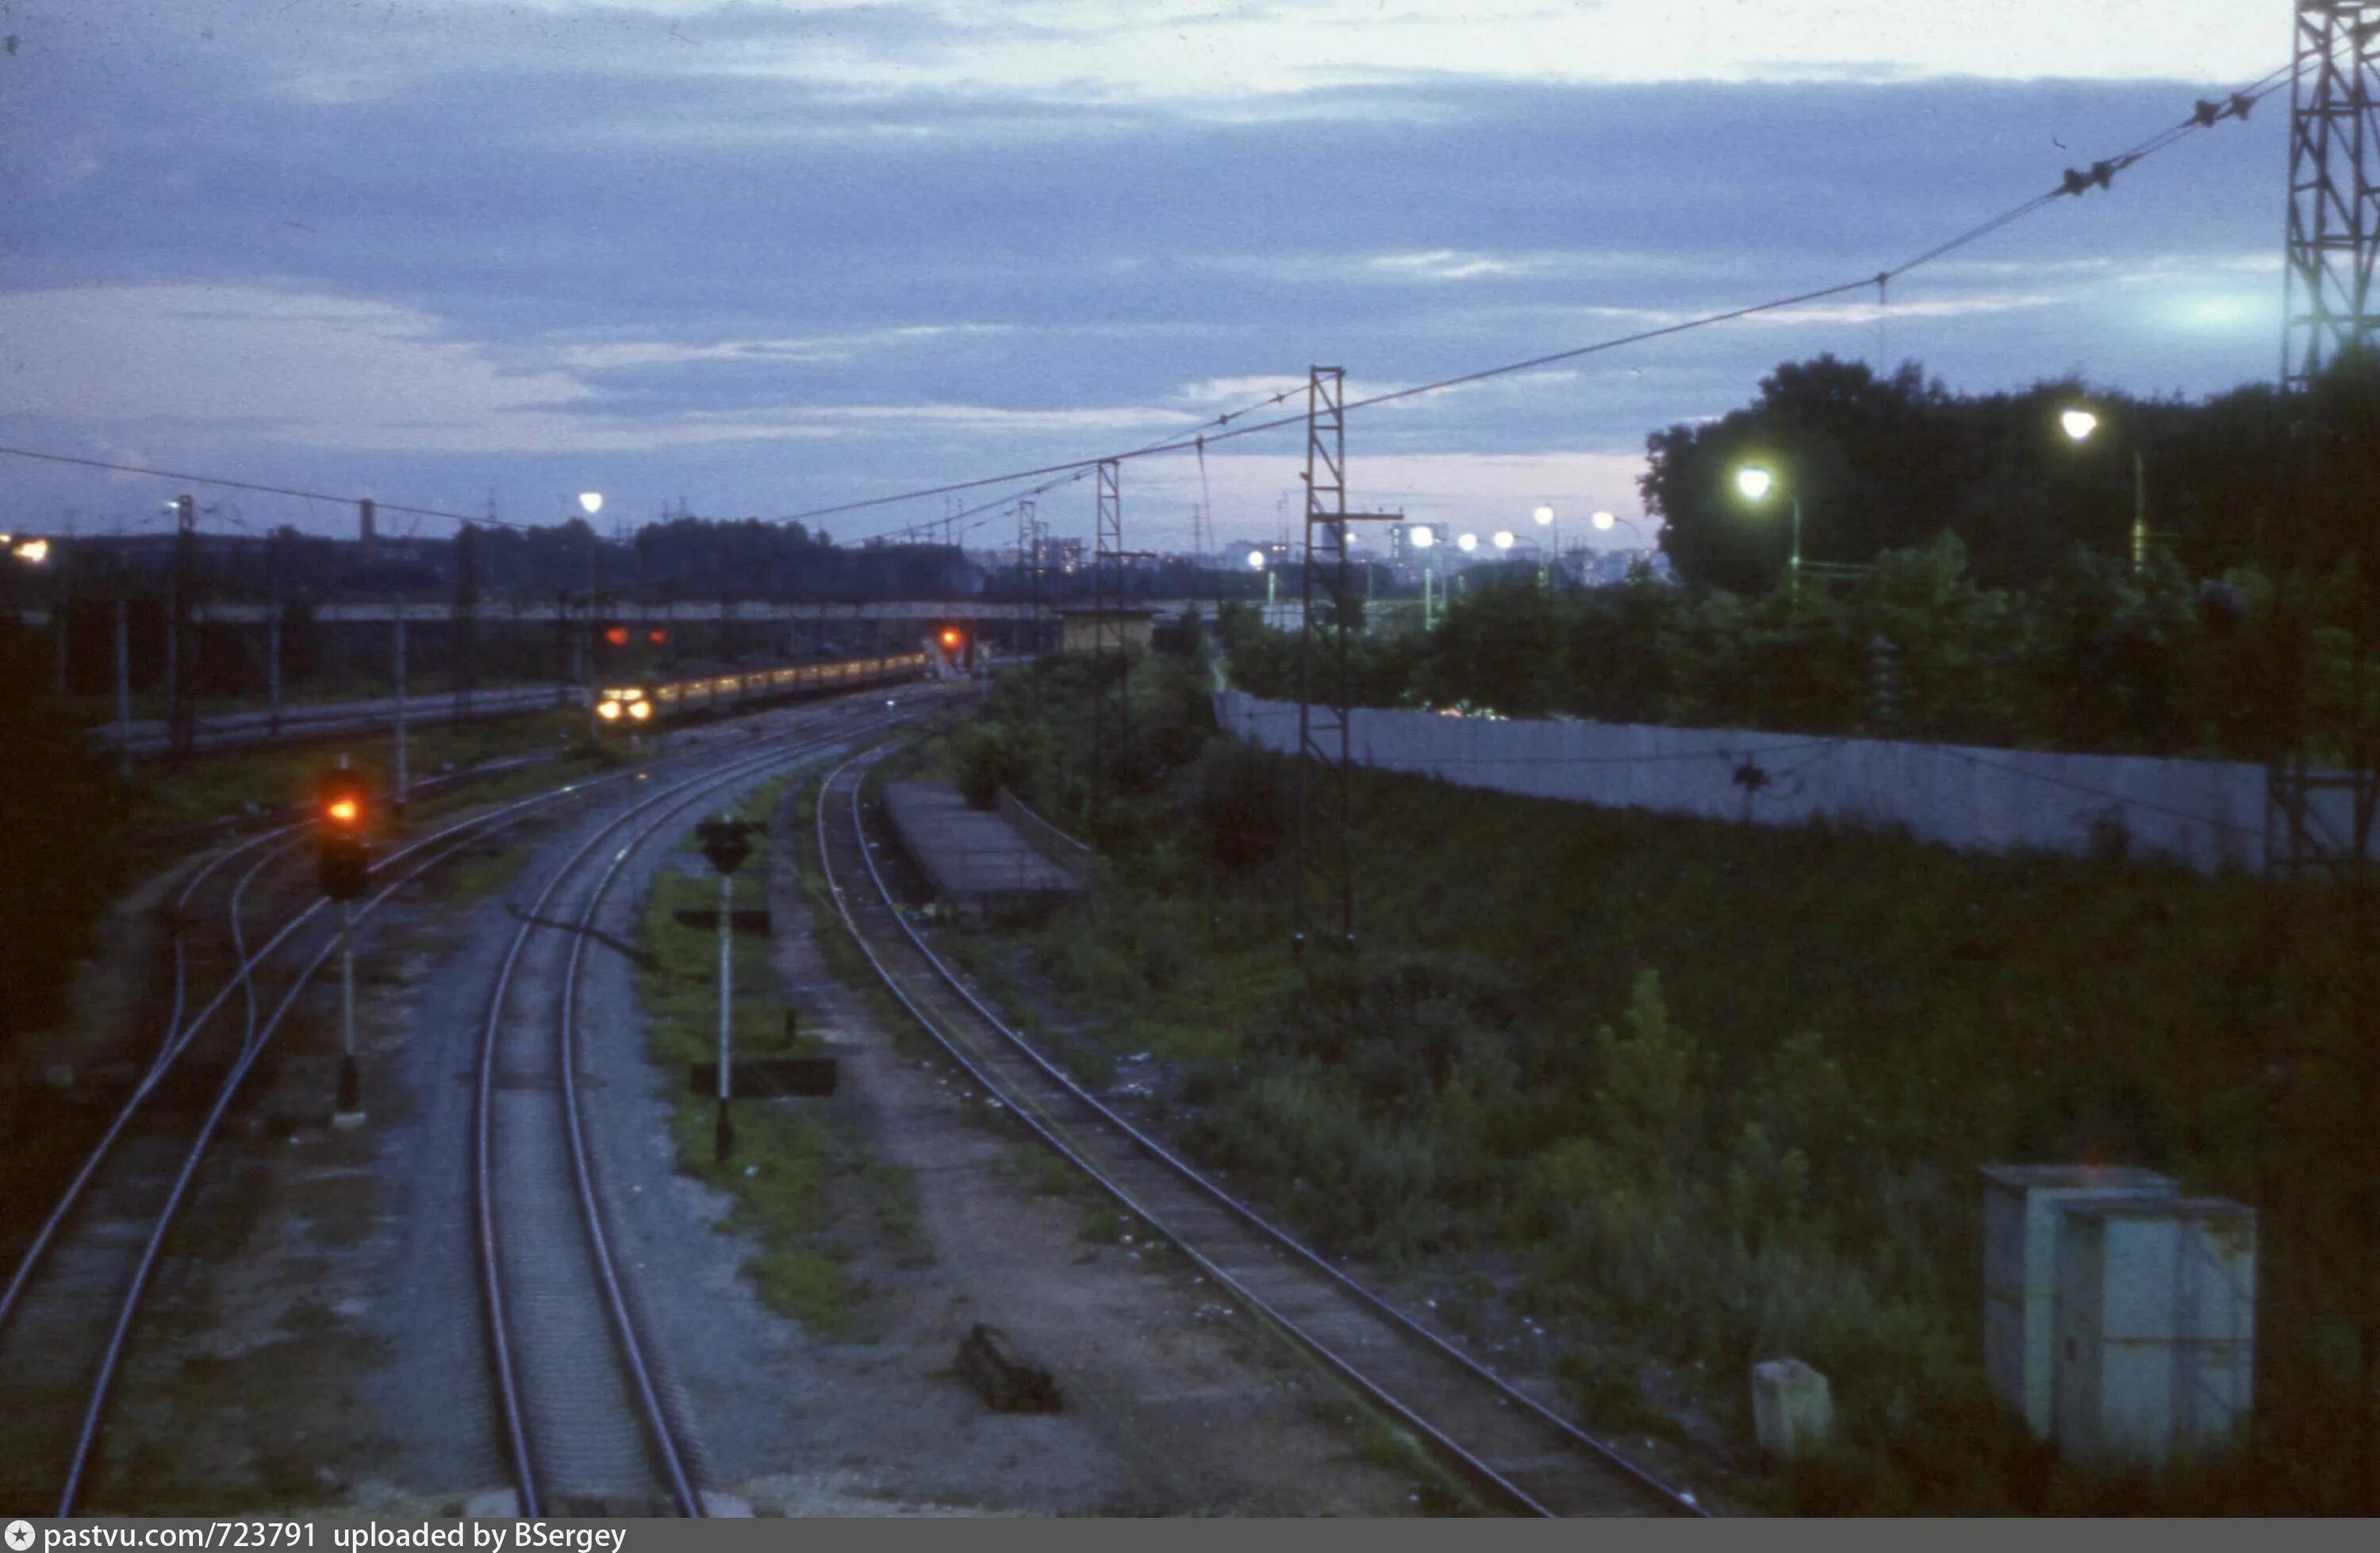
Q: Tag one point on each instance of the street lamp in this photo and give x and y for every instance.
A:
(1544, 517)
(1257, 561)
(591, 502)
(2078, 424)
(1503, 539)
(1423, 539)
(35, 551)
(1468, 544)
(1755, 483)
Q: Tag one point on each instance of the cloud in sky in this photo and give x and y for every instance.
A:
(769, 259)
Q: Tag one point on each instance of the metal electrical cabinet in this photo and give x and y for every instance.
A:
(2020, 1221)
(2157, 1327)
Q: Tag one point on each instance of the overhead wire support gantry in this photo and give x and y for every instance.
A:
(2334, 223)
(1110, 641)
(1326, 690)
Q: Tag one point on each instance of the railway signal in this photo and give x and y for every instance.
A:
(343, 864)
(723, 843)
(342, 834)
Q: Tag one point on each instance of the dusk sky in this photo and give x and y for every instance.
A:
(769, 259)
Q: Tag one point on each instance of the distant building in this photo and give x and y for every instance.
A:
(1068, 558)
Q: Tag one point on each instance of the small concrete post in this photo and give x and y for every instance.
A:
(1792, 1408)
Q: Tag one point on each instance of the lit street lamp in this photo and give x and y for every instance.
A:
(1421, 538)
(2078, 424)
(1755, 483)
(1504, 539)
(1257, 560)
(1544, 517)
(1468, 544)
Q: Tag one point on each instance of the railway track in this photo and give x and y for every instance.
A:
(77, 1289)
(1511, 1447)
(553, 1292)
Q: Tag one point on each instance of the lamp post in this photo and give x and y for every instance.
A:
(1544, 517)
(1423, 539)
(590, 503)
(2080, 424)
(1272, 584)
(1755, 483)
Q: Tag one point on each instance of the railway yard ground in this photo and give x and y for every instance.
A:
(312, 1340)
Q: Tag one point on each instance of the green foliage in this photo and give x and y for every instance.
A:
(2089, 658)
(1722, 1092)
(67, 818)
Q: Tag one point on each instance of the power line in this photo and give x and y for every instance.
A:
(2206, 113)
(2075, 182)
(225, 483)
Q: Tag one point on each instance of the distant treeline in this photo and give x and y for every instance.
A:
(2250, 477)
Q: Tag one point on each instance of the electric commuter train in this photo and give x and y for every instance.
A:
(643, 704)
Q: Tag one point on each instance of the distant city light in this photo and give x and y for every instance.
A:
(2079, 423)
(1603, 519)
(1753, 481)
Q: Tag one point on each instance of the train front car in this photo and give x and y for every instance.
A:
(624, 708)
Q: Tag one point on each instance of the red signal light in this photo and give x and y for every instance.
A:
(616, 635)
(657, 637)
(344, 811)
(950, 639)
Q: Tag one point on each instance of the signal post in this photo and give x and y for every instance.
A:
(343, 868)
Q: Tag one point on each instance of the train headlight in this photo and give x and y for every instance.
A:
(608, 709)
(640, 710)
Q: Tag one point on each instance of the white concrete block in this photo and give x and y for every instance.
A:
(1792, 1408)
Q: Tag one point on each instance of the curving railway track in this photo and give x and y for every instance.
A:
(77, 1289)
(1514, 1449)
(553, 1291)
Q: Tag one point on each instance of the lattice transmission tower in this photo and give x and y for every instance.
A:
(1110, 638)
(1326, 822)
(2334, 232)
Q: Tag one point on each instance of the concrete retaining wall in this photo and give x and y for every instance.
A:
(2207, 814)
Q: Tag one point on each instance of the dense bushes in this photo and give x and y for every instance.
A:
(64, 815)
(1722, 1091)
(2092, 659)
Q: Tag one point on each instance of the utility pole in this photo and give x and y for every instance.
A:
(180, 721)
(397, 785)
(466, 611)
(273, 671)
(123, 689)
(725, 845)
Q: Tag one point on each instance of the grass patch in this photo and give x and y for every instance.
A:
(783, 1158)
(487, 871)
(1720, 1091)
(213, 787)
